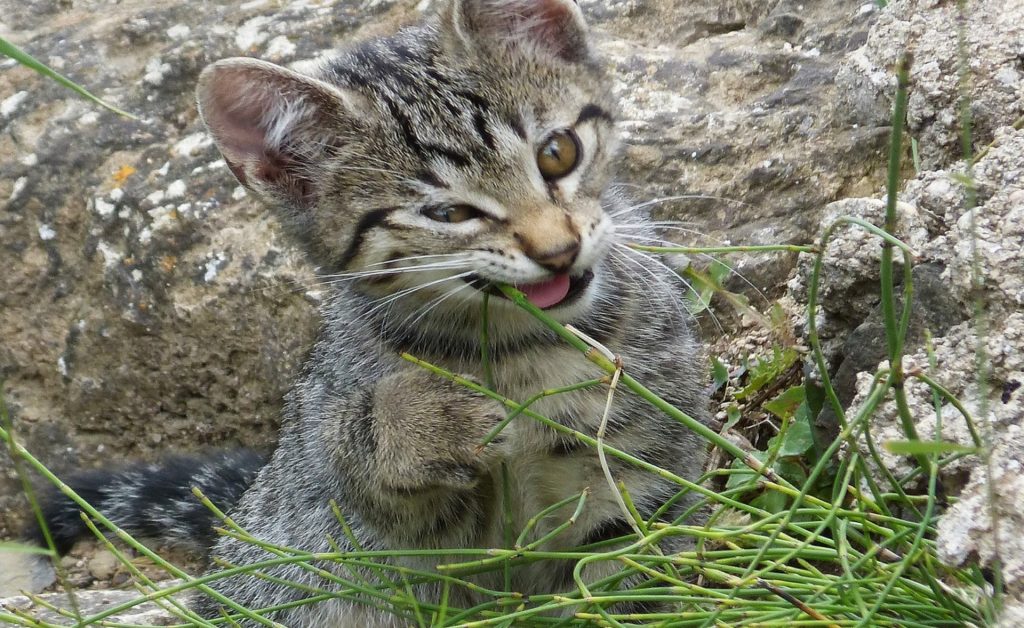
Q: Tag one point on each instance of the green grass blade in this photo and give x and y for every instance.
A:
(27, 60)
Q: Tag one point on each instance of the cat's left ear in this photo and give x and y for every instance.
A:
(553, 28)
(274, 127)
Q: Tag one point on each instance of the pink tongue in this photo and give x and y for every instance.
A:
(546, 293)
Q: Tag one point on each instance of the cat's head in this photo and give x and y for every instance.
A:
(469, 149)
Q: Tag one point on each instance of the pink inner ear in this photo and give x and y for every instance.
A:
(257, 116)
(551, 25)
(235, 105)
(243, 144)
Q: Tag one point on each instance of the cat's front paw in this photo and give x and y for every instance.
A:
(475, 441)
(432, 432)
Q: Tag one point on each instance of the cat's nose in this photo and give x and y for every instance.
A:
(558, 260)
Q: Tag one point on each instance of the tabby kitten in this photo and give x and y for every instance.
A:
(418, 170)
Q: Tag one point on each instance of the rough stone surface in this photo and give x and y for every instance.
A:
(92, 602)
(992, 42)
(949, 242)
(22, 571)
(103, 564)
(986, 520)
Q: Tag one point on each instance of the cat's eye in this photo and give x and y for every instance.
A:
(558, 155)
(452, 213)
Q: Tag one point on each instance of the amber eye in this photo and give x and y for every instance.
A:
(558, 155)
(452, 213)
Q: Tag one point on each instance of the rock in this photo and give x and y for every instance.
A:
(20, 571)
(849, 278)
(92, 602)
(971, 532)
(993, 34)
(935, 310)
(967, 532)
(1012, 615)
(103, 565)
(734, 107)
(950, 239)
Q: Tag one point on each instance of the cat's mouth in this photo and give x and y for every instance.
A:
(559, 290)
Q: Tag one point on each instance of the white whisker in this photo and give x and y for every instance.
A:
(434, 303)
(682, 197)
(649, 292)
(417, 257)
(670, 273)
(651, 239)
(707, 256)
(383, 301)
(647, 227)
(394, 271)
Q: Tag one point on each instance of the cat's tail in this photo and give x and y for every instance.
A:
(153, 500)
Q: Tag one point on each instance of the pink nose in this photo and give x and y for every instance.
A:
(559, 260)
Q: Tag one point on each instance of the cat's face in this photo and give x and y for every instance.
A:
(473, 149)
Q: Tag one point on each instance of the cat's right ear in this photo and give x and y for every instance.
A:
(273, 126)
(551, 28)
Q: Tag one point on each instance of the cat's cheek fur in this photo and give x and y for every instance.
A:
(594, 244)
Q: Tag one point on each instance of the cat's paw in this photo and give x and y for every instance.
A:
(477, 442)
(486, 416)
(434, 432)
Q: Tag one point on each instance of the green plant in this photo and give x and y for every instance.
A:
(27, 60)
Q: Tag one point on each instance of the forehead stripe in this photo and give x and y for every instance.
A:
(592, 111)
(432, 180)
(423, 149)
(369, 220)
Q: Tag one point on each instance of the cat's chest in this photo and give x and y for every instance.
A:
(547, 466)
(551, 381)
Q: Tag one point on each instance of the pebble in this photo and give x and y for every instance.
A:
(103, 565)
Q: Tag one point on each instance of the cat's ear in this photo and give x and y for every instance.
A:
(272, 125)
(549, 27)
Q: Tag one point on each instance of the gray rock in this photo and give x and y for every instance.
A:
(993, 37)
(23, 572)
(935, 311)
(950, 241)
(92, 602)
(103, 564)
(991, 236)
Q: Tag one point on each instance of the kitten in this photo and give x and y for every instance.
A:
(417, 170)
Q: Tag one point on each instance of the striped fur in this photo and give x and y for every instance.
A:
(154, 500)
(354, 156)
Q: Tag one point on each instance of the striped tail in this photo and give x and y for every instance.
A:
(154, 500)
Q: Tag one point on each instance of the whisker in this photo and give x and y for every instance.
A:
(694, 232)
(651, 239)
(655, 290)
(416, 257)
(649, 293)
(707, 256)
(393, 271)
(681, 197)
(434, 303)
(383, 301)
(670, 273)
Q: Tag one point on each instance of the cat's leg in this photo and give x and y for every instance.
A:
(402, 457)
(423, 475)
